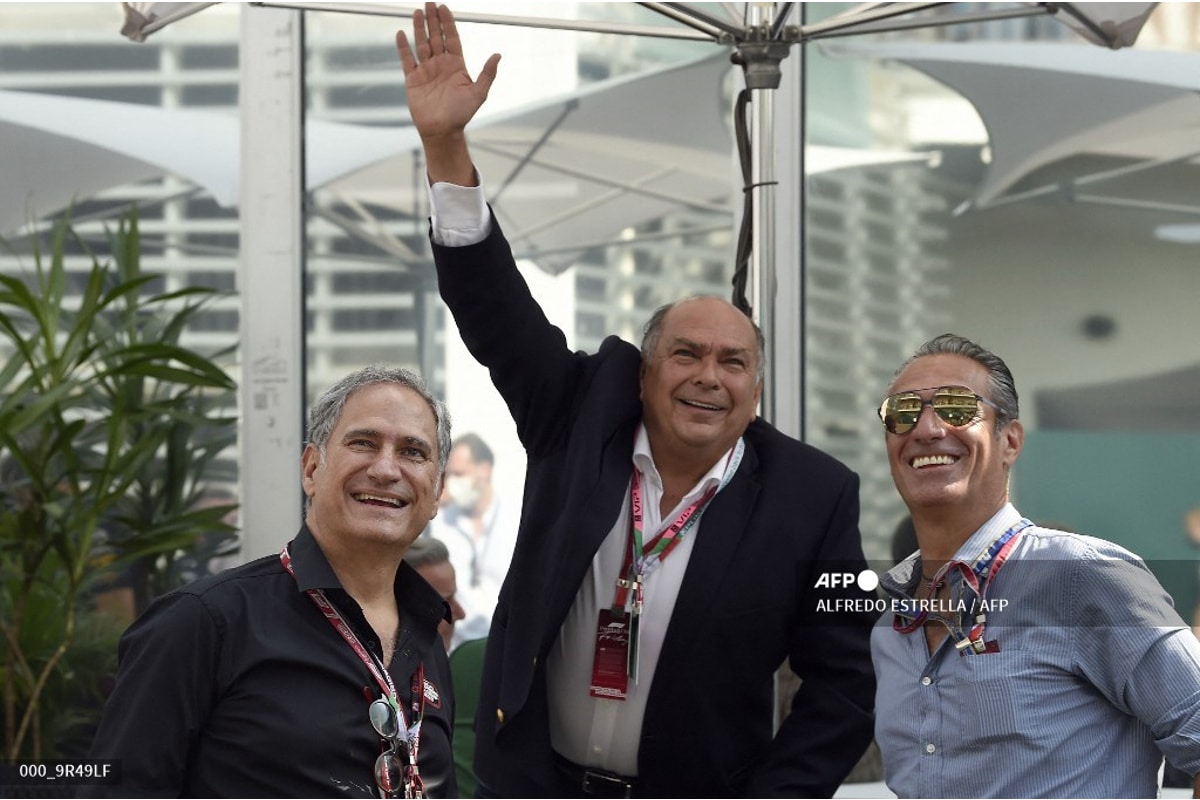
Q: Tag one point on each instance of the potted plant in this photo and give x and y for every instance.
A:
(109, 428)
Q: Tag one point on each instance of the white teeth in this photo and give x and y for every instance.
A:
(926, 461)
(368, 497)
(705, 406)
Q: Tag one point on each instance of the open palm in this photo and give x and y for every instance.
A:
(442, 97)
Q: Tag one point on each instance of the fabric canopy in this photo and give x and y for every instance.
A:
(1044, 102)
(566, 173)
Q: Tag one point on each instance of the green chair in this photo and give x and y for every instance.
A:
(466, 669)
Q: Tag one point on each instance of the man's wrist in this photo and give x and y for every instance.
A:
(448, 160)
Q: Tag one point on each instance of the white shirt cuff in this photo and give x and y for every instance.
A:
(459, 214)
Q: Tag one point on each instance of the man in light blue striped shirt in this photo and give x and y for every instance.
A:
(1014, 660)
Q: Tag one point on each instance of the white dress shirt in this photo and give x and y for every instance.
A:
(595, 732)
(599, 732)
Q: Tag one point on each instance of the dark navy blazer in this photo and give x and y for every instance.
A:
(747, 600)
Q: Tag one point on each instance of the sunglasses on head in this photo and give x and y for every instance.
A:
(956, 406)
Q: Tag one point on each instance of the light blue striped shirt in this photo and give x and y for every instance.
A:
(1096, 678)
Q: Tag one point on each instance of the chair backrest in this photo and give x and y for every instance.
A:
(466, 670)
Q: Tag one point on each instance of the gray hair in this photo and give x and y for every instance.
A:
(1001, 385)
(327, 409)
(426, 551)
(653, 330)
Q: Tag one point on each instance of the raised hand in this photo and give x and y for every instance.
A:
(442, 97)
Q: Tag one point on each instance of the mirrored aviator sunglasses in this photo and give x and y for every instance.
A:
(956, 406)
(395, 775)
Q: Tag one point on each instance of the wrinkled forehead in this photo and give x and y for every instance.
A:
(943, 369)
(387, 405)
(709, 321)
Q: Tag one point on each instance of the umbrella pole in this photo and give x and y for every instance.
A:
(759, 57)
(763, 284)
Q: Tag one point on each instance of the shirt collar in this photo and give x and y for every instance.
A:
(643, 460)
(990, 531)
(413, 593)
(901, 578)
(309, 565)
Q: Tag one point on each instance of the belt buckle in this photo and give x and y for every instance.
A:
(600, 784)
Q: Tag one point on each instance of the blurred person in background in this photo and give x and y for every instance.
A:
(479, 529)
(430, 558)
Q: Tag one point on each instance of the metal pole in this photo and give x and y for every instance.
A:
(270, 278)
(788, 248)
(760, 57)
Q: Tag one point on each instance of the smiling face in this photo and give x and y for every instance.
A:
(700, 385)
(378, 480)
(959, 475)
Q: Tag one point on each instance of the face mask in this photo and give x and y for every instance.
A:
(462, 491)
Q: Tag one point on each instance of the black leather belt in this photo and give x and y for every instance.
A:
(592, 782)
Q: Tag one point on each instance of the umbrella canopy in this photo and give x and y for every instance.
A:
(1042, 103)
(760, 37)
(55, 149)
(565, 173)
(58, 149)
(569, 173)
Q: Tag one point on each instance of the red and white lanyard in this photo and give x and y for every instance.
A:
(977, 577)
(378, 671)
(643, 558)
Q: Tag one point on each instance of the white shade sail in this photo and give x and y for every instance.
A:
(55, 149)
(58, 149)
(565, 174)
(1043, 102)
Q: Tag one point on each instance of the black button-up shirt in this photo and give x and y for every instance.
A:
(238, 686)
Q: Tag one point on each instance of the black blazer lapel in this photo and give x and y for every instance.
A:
(721, 529)
(589, 525)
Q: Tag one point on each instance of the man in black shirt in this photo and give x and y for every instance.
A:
(318, 671)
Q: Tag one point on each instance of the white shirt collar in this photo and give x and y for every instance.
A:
(643, 460)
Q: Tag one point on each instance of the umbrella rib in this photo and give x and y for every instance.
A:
(534, 252)
(124, 207)
(1134, 203)
(595, 202)
(371, 9)
(1095, 177)
(634, 188)
(861, 18)
(883, 25)
(567, 109)
(714, 28)
(375, 234)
